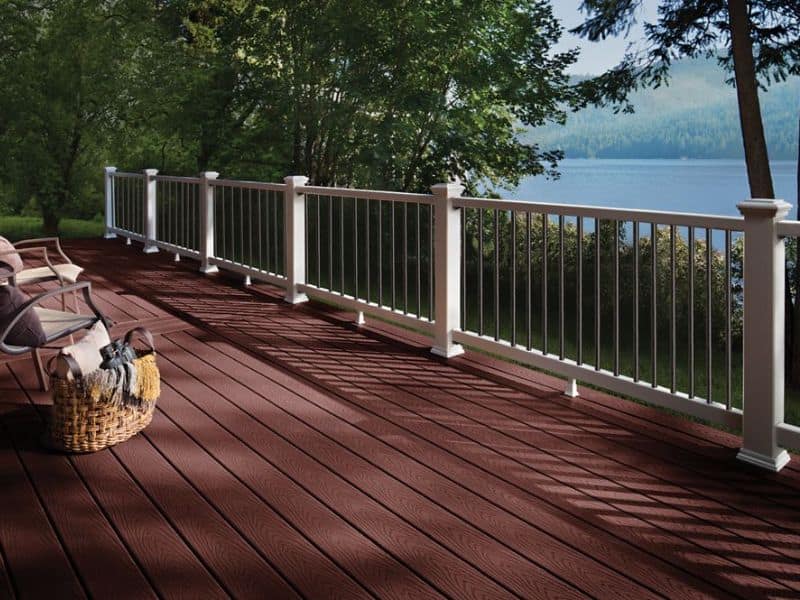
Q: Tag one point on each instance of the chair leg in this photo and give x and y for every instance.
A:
(40, 374)
(75, 301)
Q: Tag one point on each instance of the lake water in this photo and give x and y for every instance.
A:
(702, 186)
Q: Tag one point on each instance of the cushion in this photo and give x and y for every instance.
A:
(28, 331)
(86, 352)
(68, 272)
(13, 260)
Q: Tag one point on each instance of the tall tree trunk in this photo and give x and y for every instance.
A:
(755, 145)
(793, 297)
(50, 221)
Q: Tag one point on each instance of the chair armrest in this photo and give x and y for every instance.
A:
(45, 240)
(84, 286)
(42, 250)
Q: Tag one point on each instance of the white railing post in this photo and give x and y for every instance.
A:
(207, 222)
(764, 287)
(447, 269)
(150, 211)
(294, 227)
(109, 187)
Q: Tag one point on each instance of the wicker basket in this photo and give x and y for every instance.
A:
(87, 420)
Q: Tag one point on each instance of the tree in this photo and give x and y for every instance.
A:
(394, 95)
(63, 80)
(758, 42)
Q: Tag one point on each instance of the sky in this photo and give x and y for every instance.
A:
(597, 57)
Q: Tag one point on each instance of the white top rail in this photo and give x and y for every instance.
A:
(124, 175)
(610, 214)
(789, 229)
(173, 178)
(366, 194)
(247, 185)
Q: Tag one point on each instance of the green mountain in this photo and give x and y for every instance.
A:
(695, 116)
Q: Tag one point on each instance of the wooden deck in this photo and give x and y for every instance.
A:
(296, 455)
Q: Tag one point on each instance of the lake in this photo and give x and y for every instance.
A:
(702, 186)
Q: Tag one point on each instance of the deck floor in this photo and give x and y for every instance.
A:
(294, 454)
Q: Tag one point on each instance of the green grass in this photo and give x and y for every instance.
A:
(18, 228)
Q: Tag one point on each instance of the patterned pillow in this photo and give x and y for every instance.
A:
(28, 331)
(12, 259)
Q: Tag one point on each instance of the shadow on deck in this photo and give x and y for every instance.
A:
(294, 454)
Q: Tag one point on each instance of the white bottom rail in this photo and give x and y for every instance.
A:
(660, 396)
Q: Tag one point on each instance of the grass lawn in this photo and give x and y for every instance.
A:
(18, 228)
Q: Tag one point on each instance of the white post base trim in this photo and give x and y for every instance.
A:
(109, 235)
(209, 269)
(247, 281)
(295, 298)
(360, 320)
(150, 249)
(765, 462)
(177, 257)
(453, 350)
(127, 241)
(572, 388)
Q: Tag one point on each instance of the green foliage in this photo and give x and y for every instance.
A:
(18, 228)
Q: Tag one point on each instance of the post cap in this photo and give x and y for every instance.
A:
(209, 174)
(110, 169)
(449, 190)
(764, 208)
(295, 180)
(151, 172)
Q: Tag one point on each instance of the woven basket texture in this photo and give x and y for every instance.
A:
(85, 420)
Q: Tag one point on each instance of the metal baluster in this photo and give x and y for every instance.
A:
(369, 263)
(616, 297)
(223, 245)
(597, 294)
(561, 287)
(579, 291)
(319, 243)
(431, 266)
(275, 200)
(673, 334)
(513, 278)
(728, 352)
(691, 311)
(394, 242)
(330, 243)
(463, 266)
(709, 290)
(355, 247)
(405, 258)
(496, 274)
(545, 224)
(654, 304)
(341, 245)
(636, 301)
(480, 271)
(380, 252)
(529, 284)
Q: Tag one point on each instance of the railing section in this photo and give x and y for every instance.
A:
(669, 308)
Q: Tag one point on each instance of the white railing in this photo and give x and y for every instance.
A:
(649, 304)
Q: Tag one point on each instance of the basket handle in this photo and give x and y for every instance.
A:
(144, 334)
(71, 363)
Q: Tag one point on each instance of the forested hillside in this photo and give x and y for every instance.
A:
(695, 117)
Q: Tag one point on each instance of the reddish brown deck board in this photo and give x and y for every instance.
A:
(303, 451)
(296, 455)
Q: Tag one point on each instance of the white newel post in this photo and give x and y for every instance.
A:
(207, 221)
(109, 187)
(294, 225)
(764, 287)
(447, 269)
(150, 210)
